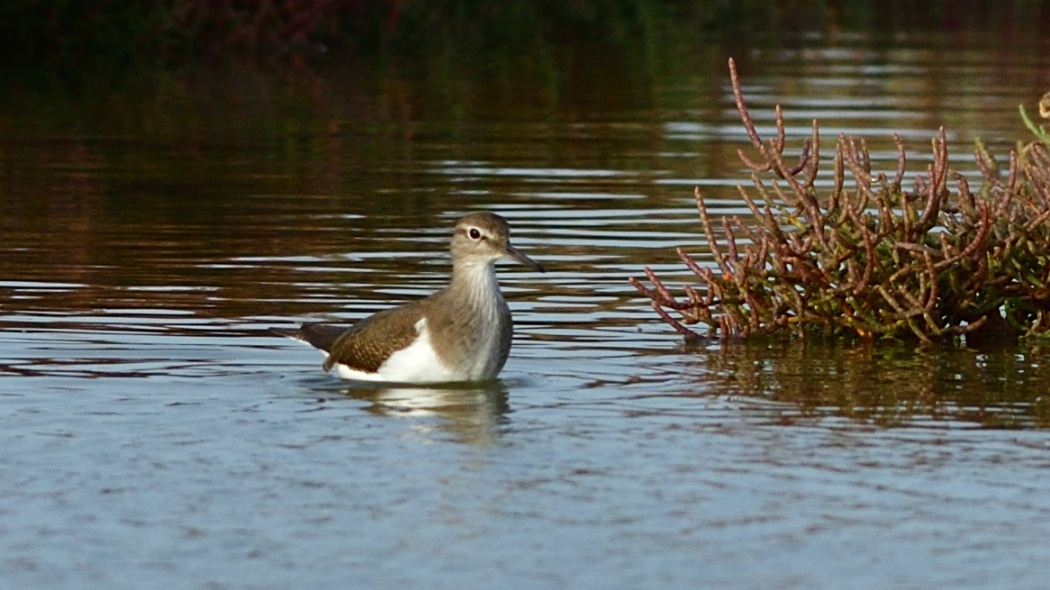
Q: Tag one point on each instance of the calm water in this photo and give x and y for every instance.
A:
(151, 430)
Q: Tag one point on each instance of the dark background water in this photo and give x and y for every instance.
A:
(154, 223)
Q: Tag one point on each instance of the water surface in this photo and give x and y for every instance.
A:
(153, 430)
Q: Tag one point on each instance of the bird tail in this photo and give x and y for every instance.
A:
(295, 334)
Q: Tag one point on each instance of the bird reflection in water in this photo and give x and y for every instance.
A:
(470, 413)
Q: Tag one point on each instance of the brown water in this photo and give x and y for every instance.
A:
(152, 429)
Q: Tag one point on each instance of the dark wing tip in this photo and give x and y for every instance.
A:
(285, 332)
(321, 336)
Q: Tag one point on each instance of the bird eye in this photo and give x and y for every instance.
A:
(474, 233)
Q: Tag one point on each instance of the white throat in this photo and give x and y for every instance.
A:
(477, 285)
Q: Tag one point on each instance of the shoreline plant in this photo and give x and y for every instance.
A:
(869, 258)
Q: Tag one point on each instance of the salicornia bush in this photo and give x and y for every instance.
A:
(869, 257)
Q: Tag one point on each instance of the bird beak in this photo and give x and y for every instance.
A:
(512, 252)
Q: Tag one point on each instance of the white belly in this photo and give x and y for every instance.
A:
(416, 363)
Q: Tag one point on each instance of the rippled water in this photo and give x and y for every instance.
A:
(153, 430)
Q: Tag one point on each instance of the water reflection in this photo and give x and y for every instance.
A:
(469, 414)
(887, 385)
(151, 237)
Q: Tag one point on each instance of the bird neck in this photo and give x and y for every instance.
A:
(475, 284)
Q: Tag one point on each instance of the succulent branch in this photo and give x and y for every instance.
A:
(1044, 111)
(868, 258)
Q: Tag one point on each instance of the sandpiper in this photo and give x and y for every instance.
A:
(461, 333)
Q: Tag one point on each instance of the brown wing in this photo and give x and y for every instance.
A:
(368, 344)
